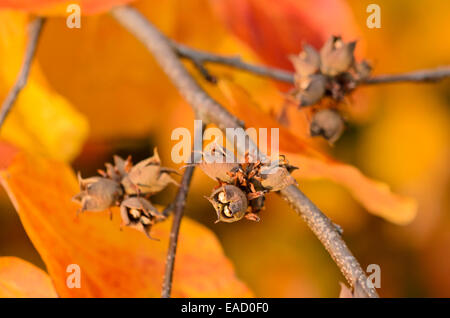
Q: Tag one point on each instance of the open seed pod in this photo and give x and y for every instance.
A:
(336, 56)
(327, 123)
(97, 193)
(363, 70)
(311, 89)
(276, 178)
(230, 203)
(214, 164)
(307, 62)
(139, 213)
(218, 171)
(117, 171)
(148, 177)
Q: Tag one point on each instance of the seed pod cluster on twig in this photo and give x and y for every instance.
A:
(128, 186)
(331, 72)
(243, 186)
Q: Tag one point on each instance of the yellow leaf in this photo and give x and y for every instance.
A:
(41, 120)
(20, 279)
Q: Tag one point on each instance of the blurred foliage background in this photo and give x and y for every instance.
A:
(398, 133)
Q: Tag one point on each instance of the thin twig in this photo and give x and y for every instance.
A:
(204, 71)
(202, 57)
(35, 31)
(178, 211)
(206, 108)
(168, 209)
(236, 62)
(421, 76)
(212, 112)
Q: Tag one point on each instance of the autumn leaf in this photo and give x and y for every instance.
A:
(84, 79)
(110, 77)
(41, 120)
(20, 279)
(113, 263)
(376, 196)
(109, 68)
(275, 29)
(59, 7)
(84, 75)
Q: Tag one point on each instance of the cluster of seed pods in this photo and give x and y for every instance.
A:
(243, 186)
(331, 72)
(128, 186)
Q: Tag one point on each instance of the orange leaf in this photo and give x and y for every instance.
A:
(374, 195)
(20, 279)
(60, 6)
(113, 263)
(7, 154)
(110, 68)
(275, 29)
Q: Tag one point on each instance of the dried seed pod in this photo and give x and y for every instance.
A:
(230, 203)
(219, 171)
(307, 62)
(139, 213)
(327, 123)
(84, 183)
(312, 89)
(282, 161)
(363, 69)
(97, 193)
(276, 178)
(117, 171)
(256, 205)
(336, 56)
(148, 177)
(214, 164)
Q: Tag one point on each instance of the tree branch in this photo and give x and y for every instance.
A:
(179, 203)
(434, 75)
(330, 237)
(206, 108)
(202, 57)
(35, 31)
(212, 112)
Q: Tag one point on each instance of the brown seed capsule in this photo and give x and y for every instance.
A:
(307, 62)
(148, 177)
(117, 171)
(256, 205)
(327, 123)
(363, 69)
(336, 56)
(219, 171)
(311, 89)
(230, 203)
(97, 193)
(139, 213)
(276, 178)
(214, 164)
